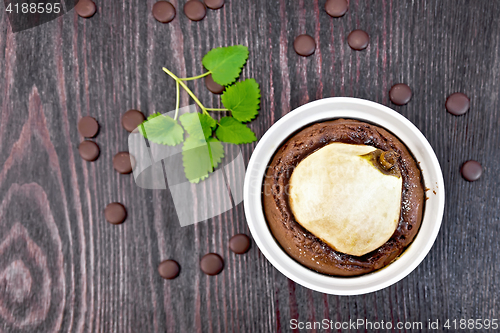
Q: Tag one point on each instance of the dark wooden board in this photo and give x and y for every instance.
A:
(63, 268)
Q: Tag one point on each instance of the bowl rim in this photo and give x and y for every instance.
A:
(349, 108)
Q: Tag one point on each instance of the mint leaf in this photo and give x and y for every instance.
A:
(197, 124)
(243, 99)
(162, 130)
(226, 63)
(216, 151)
(154, 115)
(142, 130)
(200, 157)
(232, 131)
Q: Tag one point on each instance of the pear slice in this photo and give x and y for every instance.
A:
(341, 197)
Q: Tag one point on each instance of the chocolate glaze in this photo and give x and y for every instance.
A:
(306, 248)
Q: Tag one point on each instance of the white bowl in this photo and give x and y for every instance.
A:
(354, 108)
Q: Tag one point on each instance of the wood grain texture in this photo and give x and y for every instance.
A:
(64, 269)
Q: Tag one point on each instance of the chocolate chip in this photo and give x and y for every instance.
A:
(163, 11)
(239, 243)
(457, 104)
(89, 150)
(214, 4)
(336, 8)
(400, 94)
(358, 40)
(88, 127)
(304, 45)
(169, 269)
(213, 86)
(471, 170)
(211, 264)
(131, 119)
(115, 213)
(85, 8)
(122, 162)
(195, 10)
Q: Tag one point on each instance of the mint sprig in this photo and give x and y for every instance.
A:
(201, 151)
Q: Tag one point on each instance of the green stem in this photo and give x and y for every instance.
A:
(176, 100)
(173, 76)
(195, 77)
(211, 158)
(210, 109)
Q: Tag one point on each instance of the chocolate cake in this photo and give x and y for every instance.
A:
(319, 241)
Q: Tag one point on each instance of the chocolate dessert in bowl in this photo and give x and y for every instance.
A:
(334, 196)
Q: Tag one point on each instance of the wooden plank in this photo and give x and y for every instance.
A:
(63, 268)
